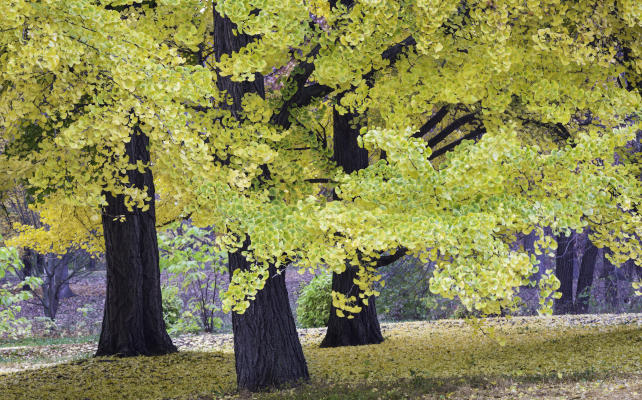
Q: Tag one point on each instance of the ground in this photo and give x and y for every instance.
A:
(591, 356)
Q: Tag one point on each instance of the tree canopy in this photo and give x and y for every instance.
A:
(481, 120)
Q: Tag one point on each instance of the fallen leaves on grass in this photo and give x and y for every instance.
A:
(542, 357)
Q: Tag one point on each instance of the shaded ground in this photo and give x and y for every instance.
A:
(555, 357)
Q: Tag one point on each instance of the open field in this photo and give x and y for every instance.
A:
(598, 357)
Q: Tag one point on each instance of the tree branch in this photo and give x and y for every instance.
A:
(389, 259)
(472, 135)
(432, 122)
(456, 124)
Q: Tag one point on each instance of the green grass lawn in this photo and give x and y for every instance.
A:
(417, 360)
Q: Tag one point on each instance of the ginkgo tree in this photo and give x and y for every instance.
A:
(100, 94)
(87, 93)
(120, 93)
(522, 75)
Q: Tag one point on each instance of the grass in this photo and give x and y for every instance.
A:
(46, 341)
(417, 360)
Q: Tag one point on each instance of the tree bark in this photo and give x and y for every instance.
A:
(133, 319)
(610, 277)
(62, 275)
(266, 344)
(364, 327)
(585, 279)
(267, 349)
(564, 272)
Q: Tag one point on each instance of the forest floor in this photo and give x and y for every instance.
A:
(562, 357)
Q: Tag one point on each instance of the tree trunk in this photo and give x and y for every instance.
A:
(267, 349)
(49, 289)
(266, 344)
(364, 327)
(29, 261)
(585, 279)
(564, 257)
(62, 275)
(610, 277)
(133, 319)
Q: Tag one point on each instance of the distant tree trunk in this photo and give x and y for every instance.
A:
(29, 261)
(266, 344)
(364, 327)
(62, 275)
(610, 277)
(50, 299)
(564, 258)
(585, 279)
(133, 319)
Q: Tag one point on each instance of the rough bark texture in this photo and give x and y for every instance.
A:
(585, 278)
(564, 271)
(133, 319)
(347, 153)
(364, 327)
(266, 344)
(227, 43)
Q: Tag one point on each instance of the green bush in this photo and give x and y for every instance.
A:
(195, 264)
(313, 305)
(172, 305)
(12, 295)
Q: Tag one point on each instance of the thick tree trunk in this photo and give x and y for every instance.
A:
(347, 153)
(266, 344)
(585, 279)
(133, 318)
(564, 257)
(364, 327)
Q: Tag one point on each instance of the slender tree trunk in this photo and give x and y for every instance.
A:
(49, 292)
(266, 344)
(610, 276)
(585, 279)
(62, 275)
(564, 272)
(364, 327)
(133, 319)
(29, 259)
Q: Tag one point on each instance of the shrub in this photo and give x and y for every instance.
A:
(176, 319)
(313, 305)
(13, 294)
(172, 305)
(196, 265)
